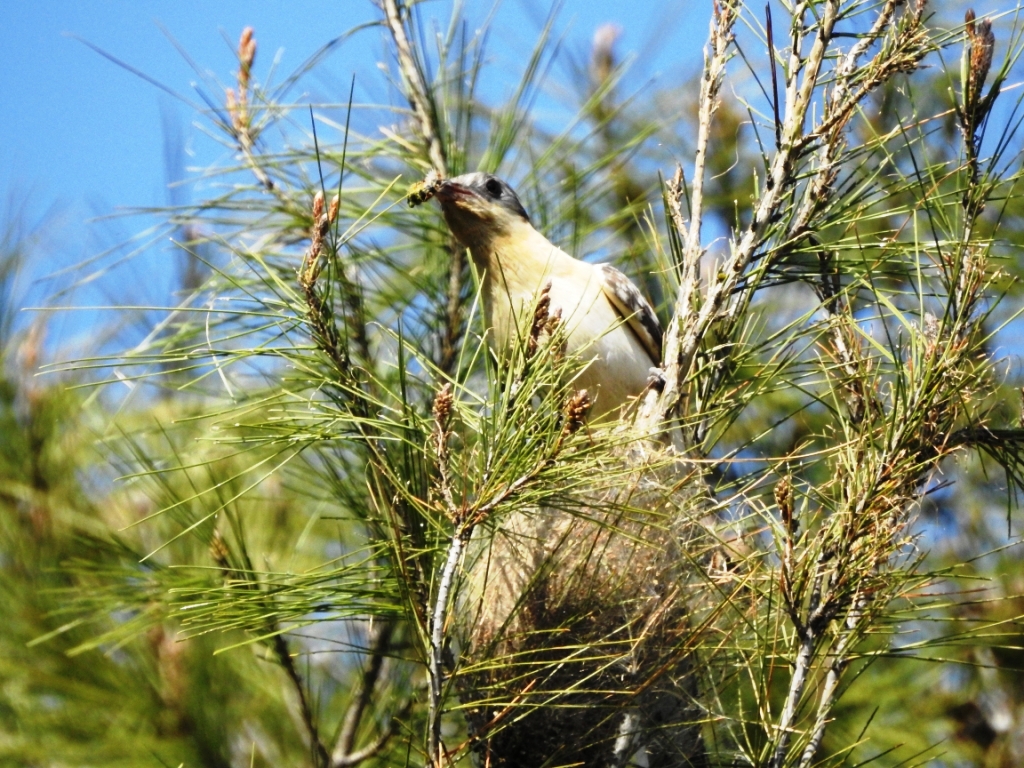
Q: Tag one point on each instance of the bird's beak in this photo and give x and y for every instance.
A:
(452, 192)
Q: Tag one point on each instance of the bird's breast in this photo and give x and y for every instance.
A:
(616, 364)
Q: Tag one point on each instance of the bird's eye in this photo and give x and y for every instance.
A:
(493, 187)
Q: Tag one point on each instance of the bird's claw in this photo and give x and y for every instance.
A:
(656, 379)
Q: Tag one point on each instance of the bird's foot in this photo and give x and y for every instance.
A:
(656, 379)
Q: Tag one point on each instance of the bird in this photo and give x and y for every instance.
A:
(608, 322)
(569, 614)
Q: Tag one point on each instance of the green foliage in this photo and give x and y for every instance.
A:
(346, 531)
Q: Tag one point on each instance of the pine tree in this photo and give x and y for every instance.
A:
(434, 555)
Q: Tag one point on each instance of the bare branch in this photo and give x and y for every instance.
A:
(687, 330)
(344, 753)
(830, 688)
(722, 22)
(416, 87)
(284, 657)
(456, 547)
(372, 750)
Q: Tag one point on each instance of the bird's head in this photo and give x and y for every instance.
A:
(480, 207)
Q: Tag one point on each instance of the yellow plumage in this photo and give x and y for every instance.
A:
(607, 321)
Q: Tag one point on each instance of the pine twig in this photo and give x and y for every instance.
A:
(687, 328)
(456, 547)
(278, 645)
(657, 405)
(238, 105)
(465, 519)
(460, 537)
(416, 87)
(830, 688)
(429, 128)
(344, 753)
(284, 657)
(320, 314)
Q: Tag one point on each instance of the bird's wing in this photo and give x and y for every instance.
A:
(630, 303)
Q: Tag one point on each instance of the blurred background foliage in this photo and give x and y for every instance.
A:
(218, 482)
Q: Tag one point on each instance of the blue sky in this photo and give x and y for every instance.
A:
(78, 127)
(82, 138)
